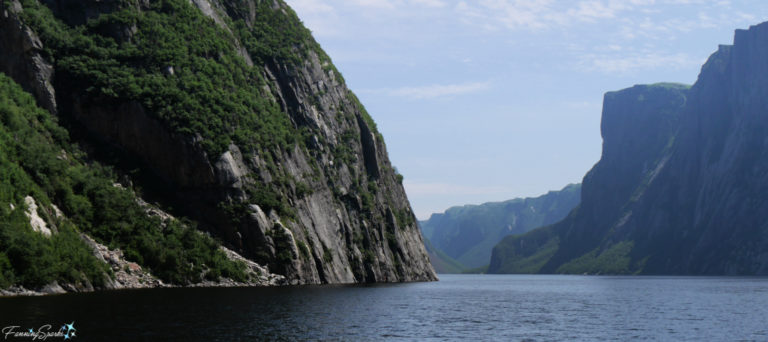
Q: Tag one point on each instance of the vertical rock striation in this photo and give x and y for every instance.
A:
(324, 207)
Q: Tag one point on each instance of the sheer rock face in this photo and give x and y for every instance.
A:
(20, 56)
(683, 178)
(337, 235)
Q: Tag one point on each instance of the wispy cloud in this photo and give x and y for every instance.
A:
(637, 62)
(430, 3)
(432, 91)
(320, 16)
(538, 15)
(318, 6)
(430, 189)
(583, 104)
(440, 90)
(375, 3)
(512, 14)
(326, 17)
(621, 24)
(311, 6)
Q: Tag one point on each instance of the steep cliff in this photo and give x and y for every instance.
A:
(468, 233)
(680, 188)
(51, 195)
(231, 114)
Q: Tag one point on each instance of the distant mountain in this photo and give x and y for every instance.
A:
(682, 185)
(441, 262)
(468, 233)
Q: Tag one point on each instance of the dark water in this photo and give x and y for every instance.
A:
(459, 307)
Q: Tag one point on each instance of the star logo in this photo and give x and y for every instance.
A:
(70, 330)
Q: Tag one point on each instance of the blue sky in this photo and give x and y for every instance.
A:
(489, 100)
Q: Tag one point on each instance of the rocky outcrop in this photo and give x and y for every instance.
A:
(130, 275)
(345, 216)
(35, 221)
(127, 275)
(680, 188)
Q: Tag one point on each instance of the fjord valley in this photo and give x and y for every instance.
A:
(175, 142)
(680, 188)
(207, 159)
(462, 238)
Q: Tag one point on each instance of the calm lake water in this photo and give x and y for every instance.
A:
(459, 307)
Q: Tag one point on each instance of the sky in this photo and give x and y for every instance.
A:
(489, 100)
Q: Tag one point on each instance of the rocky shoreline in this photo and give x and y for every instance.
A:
(129, 275)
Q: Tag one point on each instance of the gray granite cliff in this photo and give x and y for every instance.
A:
(348, 219)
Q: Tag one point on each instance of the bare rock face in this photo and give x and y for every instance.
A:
(37, 222)
(20, 56)
(128, 127)
(348, 218)
(681, 186)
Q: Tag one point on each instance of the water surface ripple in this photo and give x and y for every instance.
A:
(459, 307)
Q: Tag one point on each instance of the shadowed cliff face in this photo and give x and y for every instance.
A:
(680, 188)
(294, 176)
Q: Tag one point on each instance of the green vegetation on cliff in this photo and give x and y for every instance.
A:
(227, 112)
(37, 160)
(613, 260)
(186, 71)
(129, 54)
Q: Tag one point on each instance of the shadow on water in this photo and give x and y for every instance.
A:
(195, 314)
(459, 307)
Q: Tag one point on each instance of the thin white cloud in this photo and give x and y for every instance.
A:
(430, 3)
(438, 90)
(538, 15)
(513, 14)
(387, 4)
(433, 91)
(326, 17)
(583, 104)
(527, 14)
(431, 189)
(637, 62)
(318, 6)
(592, 10)
(311, 6)
(638, 39)
(319, 16)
